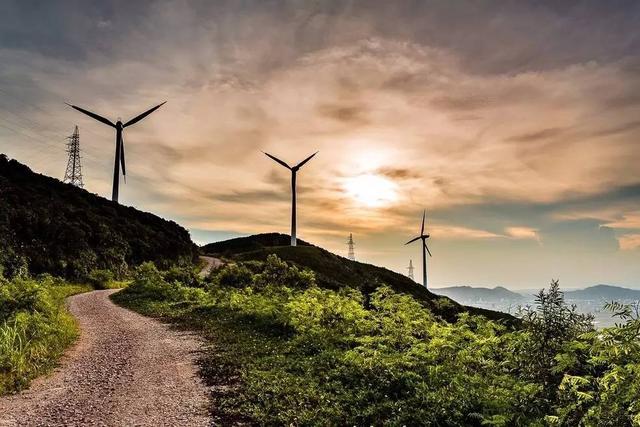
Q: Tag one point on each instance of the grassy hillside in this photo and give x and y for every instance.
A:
(48, 226)
(35, 328)
(283, 351)
(334, 272)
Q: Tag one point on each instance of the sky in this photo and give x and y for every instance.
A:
(516, 125)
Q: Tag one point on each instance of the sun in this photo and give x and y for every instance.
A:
(371, 190)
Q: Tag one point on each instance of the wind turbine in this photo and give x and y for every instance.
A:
(294, 171)
(425, 249)
(119, 142)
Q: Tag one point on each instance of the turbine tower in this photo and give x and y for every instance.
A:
(73, 174)
(425, 249)
(410, 268)
(119, 127)
(294, 171)
(352, 255)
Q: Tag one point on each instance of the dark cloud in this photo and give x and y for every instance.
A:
(252, 196)
(398, 173)
(345, 113)
(461, 103)
(626, 127)
(622, 101)
(579, 236)
(543, 134)
(493, 214)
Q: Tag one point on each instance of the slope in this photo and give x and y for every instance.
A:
(468, 293)
(51, 227)
(333, 271)
(603, 292)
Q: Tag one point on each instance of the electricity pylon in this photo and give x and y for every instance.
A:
(352, 255)
(73, 174)
(410, 268)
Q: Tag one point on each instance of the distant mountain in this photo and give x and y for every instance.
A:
(466, 294)
(66, 231)
(603, 292)
(333, 271)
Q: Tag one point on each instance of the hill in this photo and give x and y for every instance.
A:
(468, 293)
(603, 292)
(60, 229)
(334, 272)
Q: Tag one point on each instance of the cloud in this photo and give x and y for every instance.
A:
(629, 242)
(348, 114)
(533, 122)
(630, 220)
(456, 232)
(398, 173)
(538, 135)
(522, 233)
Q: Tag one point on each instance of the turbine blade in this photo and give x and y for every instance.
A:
(427, 248)
(93, 115)
(413, 240)
(124, 171)
(139, 117)
(424, 214)
(299, 165)
(278, 160)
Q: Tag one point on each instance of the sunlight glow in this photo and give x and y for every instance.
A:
(371, 190)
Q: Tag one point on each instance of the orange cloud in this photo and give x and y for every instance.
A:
(629, 242)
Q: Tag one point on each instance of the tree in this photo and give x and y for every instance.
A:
(549, 328)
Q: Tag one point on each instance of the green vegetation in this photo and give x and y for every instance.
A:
(336, 272)
(288, 352)
(50, 227)
(35, 328)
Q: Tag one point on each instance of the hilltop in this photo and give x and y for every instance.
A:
(496, 294)
(334, 271)
(603, 292)
(57, 228)
(500, 294)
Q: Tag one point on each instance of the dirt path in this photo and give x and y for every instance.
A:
(125, 370)
(210, 264)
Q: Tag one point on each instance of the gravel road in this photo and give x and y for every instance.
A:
(210, 263)
(125, 370)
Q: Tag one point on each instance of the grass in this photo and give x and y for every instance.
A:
(336, 272)
(296, 354)
(35, 329)
(284, 351)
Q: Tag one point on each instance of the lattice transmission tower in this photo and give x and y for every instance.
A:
(410, 268)
(352, 255)
(73, 174)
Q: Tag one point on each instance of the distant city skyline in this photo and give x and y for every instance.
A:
(516, 125)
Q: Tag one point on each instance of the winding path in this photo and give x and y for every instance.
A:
(210, 263)
(125, 370)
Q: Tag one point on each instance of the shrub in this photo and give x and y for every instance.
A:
(278, 272)
(100, 279)
(21, 295)
(234, 275)
(309, 356)
(186, 276)
(149, 283)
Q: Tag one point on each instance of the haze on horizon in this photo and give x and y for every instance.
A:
(516, 126)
